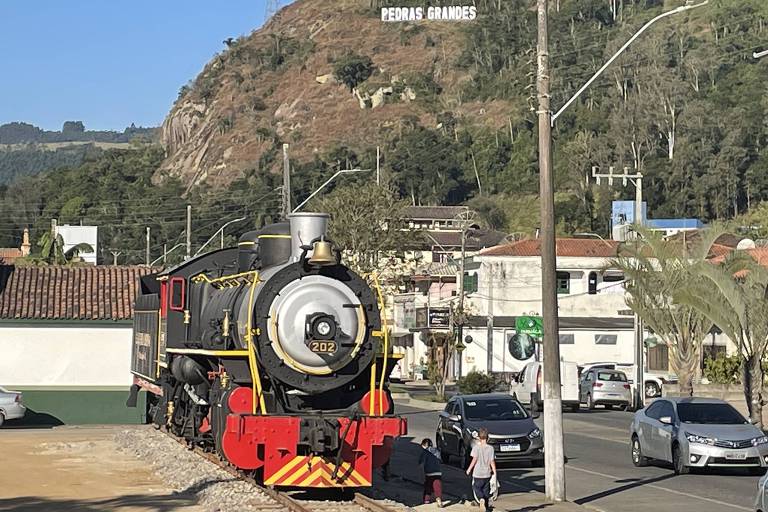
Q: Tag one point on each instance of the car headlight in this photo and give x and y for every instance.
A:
(473, 433)
(693, 438)
(534, 434)
(759, 440)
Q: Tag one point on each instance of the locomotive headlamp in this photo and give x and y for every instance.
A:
(321, 327)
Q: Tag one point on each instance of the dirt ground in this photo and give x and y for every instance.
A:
(78, 468)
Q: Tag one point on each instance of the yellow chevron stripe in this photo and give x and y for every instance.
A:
(321, 471)
(297, 473)
(285, 469)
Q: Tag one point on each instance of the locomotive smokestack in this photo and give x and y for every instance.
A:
(306, 227)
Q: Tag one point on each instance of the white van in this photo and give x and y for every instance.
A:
(527, 386)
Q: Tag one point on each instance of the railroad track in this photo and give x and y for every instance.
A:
(283, 500)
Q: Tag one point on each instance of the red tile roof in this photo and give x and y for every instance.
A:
(578, 247)
(759, 254)
(9, 254)
(69, 293)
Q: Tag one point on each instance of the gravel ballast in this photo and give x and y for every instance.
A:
(188, 473)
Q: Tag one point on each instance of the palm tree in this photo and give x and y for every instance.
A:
(734, 295)
(656, 270)
(52, 250)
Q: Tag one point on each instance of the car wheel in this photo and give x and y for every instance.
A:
(466, 458)
(638, 459)
(590, 403)
(678, 462)
(652, 390)
(575, 408)
(2, 419)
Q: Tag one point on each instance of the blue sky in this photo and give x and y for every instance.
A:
(109, 63)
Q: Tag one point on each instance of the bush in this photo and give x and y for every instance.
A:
(723, 370)
(353, 69)
(475, 382)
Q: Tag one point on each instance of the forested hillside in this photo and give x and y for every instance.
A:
(452, 108)
(71, 131)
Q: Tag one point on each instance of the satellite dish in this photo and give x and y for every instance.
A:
(746, 243)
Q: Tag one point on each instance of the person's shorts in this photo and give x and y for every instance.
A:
(481, 488)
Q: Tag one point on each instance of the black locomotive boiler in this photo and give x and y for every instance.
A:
(273, 354)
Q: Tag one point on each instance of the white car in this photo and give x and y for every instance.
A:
(11, 406)
(653, 380)
(526, 387)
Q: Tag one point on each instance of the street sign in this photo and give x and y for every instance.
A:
(439, 317)
(530, 325)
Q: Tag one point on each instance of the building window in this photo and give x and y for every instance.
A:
(563, 283)
(567, 339)
(470, 283)
(605, 339)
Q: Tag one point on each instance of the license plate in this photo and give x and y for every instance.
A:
(736, 456)
(510, 447)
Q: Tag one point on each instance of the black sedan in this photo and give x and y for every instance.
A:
(512, 432)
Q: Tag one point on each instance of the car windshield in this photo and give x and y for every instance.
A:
(612, 376)
(493, 409)
(715, 414)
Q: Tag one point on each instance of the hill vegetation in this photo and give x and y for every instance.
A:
(451, 107)
(71, 131)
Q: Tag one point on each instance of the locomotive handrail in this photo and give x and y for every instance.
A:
(224, 280)
(386, 343)
(257, 392)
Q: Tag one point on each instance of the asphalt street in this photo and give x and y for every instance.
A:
(600, 474)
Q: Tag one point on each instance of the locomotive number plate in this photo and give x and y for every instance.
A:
(322, 346)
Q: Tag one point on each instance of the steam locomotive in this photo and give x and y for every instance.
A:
(273, 354)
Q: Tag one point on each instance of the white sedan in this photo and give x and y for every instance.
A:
(11, 407)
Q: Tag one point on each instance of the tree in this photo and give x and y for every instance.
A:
(368, 223)
(733, 296)
(353, 69)
(656, 271)
(52, 251)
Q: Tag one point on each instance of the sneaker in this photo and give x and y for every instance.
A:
(439, 502)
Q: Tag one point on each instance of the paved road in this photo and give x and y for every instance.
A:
(599, 472)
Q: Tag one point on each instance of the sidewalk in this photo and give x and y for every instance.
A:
(405, 486)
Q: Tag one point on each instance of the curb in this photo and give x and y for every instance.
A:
(421, 404)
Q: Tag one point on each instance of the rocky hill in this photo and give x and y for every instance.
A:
(278, 86)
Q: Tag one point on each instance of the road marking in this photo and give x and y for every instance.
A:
(654, 486)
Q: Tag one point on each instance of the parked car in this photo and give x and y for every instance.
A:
(512, 431)
(608, 388)
(526, 387)
(697, 432)
(653, 381)
(11, 405)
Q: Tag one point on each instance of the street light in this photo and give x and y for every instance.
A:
(166, 253)
(584, 87)
(321, 187)
(220, 230)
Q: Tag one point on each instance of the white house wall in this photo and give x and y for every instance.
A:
(65, 356)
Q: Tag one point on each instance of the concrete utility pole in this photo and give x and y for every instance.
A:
(146, 258)
(286, 182)
(635, 179)
(460, 329)
(189, 231)
(554, 456)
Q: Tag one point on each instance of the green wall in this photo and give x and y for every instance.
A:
(76, 406)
